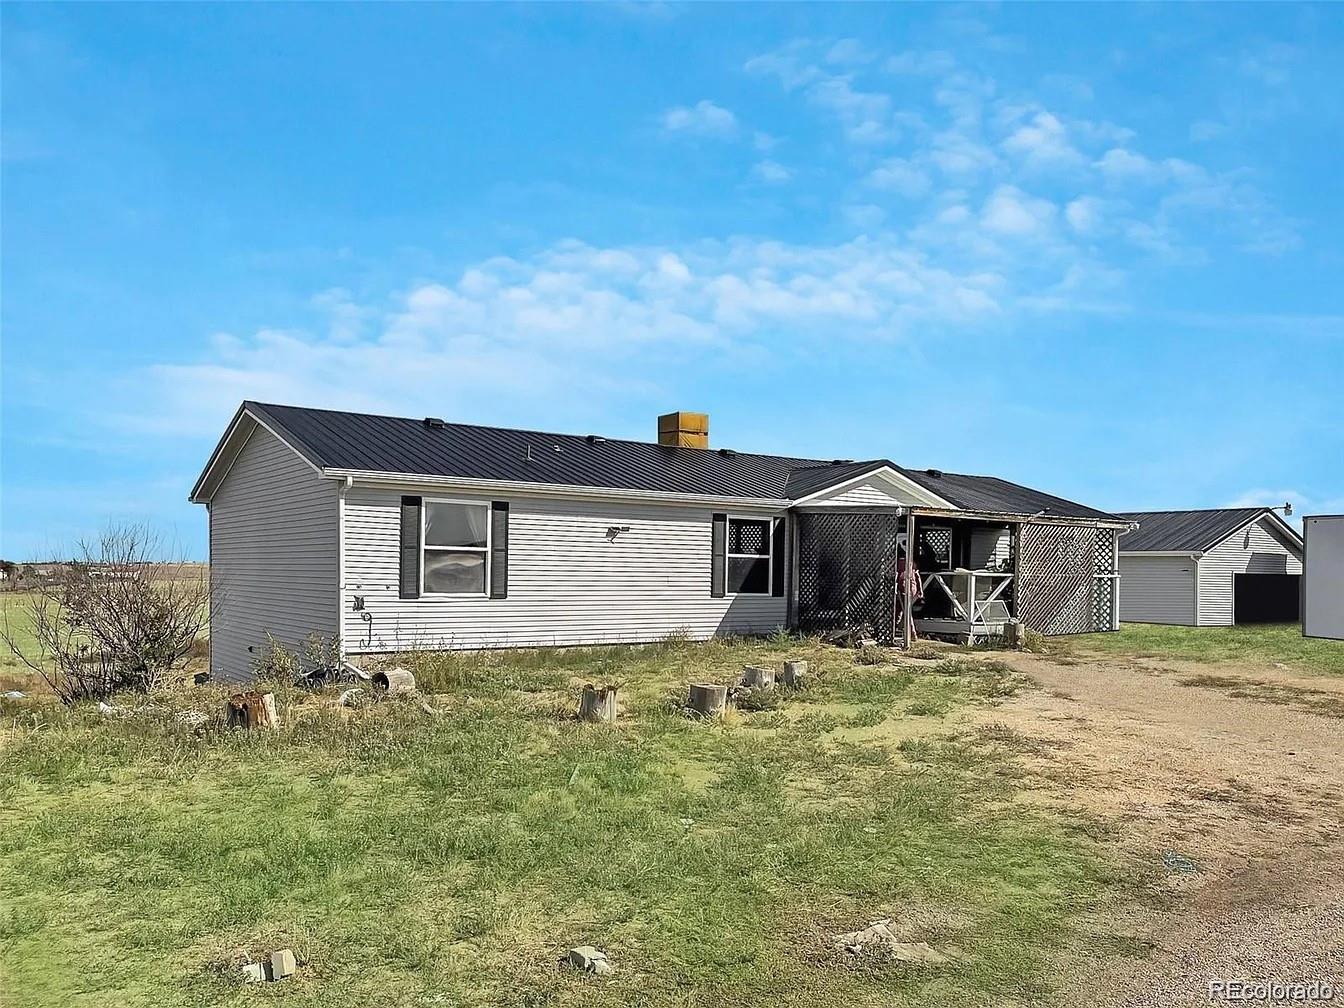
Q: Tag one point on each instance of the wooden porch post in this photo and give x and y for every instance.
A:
(907, 624)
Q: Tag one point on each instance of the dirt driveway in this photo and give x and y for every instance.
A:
(1225, 783)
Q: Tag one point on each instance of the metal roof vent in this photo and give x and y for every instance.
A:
(727, 451)
(935, 473)
(595, 439)
(434, 422)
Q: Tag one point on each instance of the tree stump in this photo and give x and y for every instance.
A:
(598, 703)
(707, 699)
(756, 677)
(251, 710)
(792, 673)
(395, 680)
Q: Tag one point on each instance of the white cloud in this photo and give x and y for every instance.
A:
(962, 156)
(920, 63)
(704, 118)
(865, 115)
(949, 231)
(1043, 143)
(1013, 213)
(1203, 130)
(1084, 214)
(771, 171)
(849, 52)
(902, 176)
(1125, 166)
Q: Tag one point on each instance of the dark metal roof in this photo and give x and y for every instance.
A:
(989, 493)
(398, 445)
(1182, 531)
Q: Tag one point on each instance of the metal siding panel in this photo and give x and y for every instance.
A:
(1323, 585)
(1253, 550)
(1157, 590)
(273, 555)
(569, 582)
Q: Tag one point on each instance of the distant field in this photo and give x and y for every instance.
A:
(13, 673)
(1267, 643)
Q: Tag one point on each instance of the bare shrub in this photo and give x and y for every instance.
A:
(317, 659)
(120, 616)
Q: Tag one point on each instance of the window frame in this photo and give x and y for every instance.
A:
(769, 554)
(487, 549)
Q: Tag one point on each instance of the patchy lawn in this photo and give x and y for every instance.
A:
(450, 858)
(1266, 644)
(13, 618)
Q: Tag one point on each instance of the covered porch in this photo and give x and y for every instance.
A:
(975, 575)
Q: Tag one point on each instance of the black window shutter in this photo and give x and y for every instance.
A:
(718, 555)
(777, 559)
(499, 549)
(410, 547)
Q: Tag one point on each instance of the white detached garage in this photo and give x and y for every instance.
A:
(1215, 567)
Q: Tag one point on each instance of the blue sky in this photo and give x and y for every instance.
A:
(1093, 249)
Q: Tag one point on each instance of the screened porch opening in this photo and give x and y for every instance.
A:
(972, 577)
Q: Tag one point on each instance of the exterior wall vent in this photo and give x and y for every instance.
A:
(683, 430)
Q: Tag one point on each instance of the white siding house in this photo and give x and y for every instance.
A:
(273, 553)
(1209, 568)
(571, 580)
(391, 534)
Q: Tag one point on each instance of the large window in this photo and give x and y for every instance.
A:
(748, 556)
(456, 548)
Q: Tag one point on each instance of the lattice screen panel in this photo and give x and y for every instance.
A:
(1059, 589)
(847, 573)
(939, 542)
(1103, 596)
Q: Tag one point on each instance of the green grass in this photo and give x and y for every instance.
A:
(445, 859)
(1263, 644)
(13, 673)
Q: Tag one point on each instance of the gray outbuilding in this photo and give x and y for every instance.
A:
(1217, 567)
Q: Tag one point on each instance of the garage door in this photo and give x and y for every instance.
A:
(1267, 598)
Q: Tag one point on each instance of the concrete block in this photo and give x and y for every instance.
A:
(283, 964)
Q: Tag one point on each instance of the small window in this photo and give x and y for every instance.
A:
(748, 556)
(456, 548)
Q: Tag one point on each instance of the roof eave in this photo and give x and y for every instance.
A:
(1021, 518)
(888, 471)
(562, 490)
(249, 412)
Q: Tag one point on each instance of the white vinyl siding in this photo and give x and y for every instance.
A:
(1253, 550)
(273, 555)
(1157, 589)
(570, 581)
(990, 547)
(870, 492)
